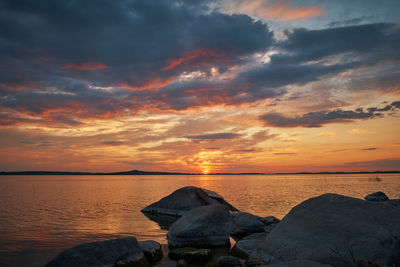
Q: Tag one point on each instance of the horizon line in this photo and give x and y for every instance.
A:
(139, 172)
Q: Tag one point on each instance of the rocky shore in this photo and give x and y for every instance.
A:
(328, 230)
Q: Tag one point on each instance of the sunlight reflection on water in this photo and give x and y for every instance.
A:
(55, 212)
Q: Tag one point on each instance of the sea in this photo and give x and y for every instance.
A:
(40, 216)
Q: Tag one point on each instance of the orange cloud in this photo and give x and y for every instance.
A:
(200, 53)
(85, 66)
(282, 10)
(152, 85)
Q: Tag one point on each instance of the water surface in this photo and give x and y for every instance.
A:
(42, 215)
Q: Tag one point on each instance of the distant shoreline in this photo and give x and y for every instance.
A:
(136, 172)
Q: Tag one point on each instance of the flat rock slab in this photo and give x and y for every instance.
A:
(334, 229)
(206, 226)
(151, 250)
(184, 199)
(115, 252)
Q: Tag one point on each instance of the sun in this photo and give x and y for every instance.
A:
(205, 171)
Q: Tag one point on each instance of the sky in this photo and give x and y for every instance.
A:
(200, 86)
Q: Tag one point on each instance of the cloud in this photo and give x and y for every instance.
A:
(369, 148)
(283, 10)
(319, 118)
(367, 44)
(85, 66)
(113, 143)
(378, 165)
(213, 136)
(356, 131)
(327, 134)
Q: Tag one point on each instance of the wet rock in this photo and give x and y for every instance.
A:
(206, 226)
(151, 250)
(243, 224)
(191, 255)
(115, 252)
(337, 230)
(377, 196)
(184, 199)
(228, 261)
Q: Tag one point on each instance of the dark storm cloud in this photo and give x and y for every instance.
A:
(214, 136)
(373, 42)
(55, 53)
(73, 46)
(319, 118)
(134, 39)
(308, 55)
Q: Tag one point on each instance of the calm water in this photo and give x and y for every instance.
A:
(42, 215)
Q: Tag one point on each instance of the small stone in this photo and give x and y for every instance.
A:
(181, 263)
(190, 254)
(377, 196)
(258, 259)
(151, 250)
(228, 261)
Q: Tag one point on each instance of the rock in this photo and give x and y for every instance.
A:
(371, 264)
(269, 220)
(228, 261)
(191, 255)
(337, 230)
(206, 226)
(181, 263)
(299, 263)
(377, 196)
(243, 224)
(185, 199)
(261, 236)
(244, 248)
(151, 250)
(258, 259)
(115, 252)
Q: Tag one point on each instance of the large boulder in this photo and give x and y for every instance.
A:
(115, 252)
(184, 199)
(244, 224)
(337, 230)
(206, 226)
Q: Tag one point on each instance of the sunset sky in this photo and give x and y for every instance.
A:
(200, 86)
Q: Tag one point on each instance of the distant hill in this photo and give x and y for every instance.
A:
(133, 172)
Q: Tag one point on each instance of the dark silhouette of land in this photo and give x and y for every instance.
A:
(137, 172)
